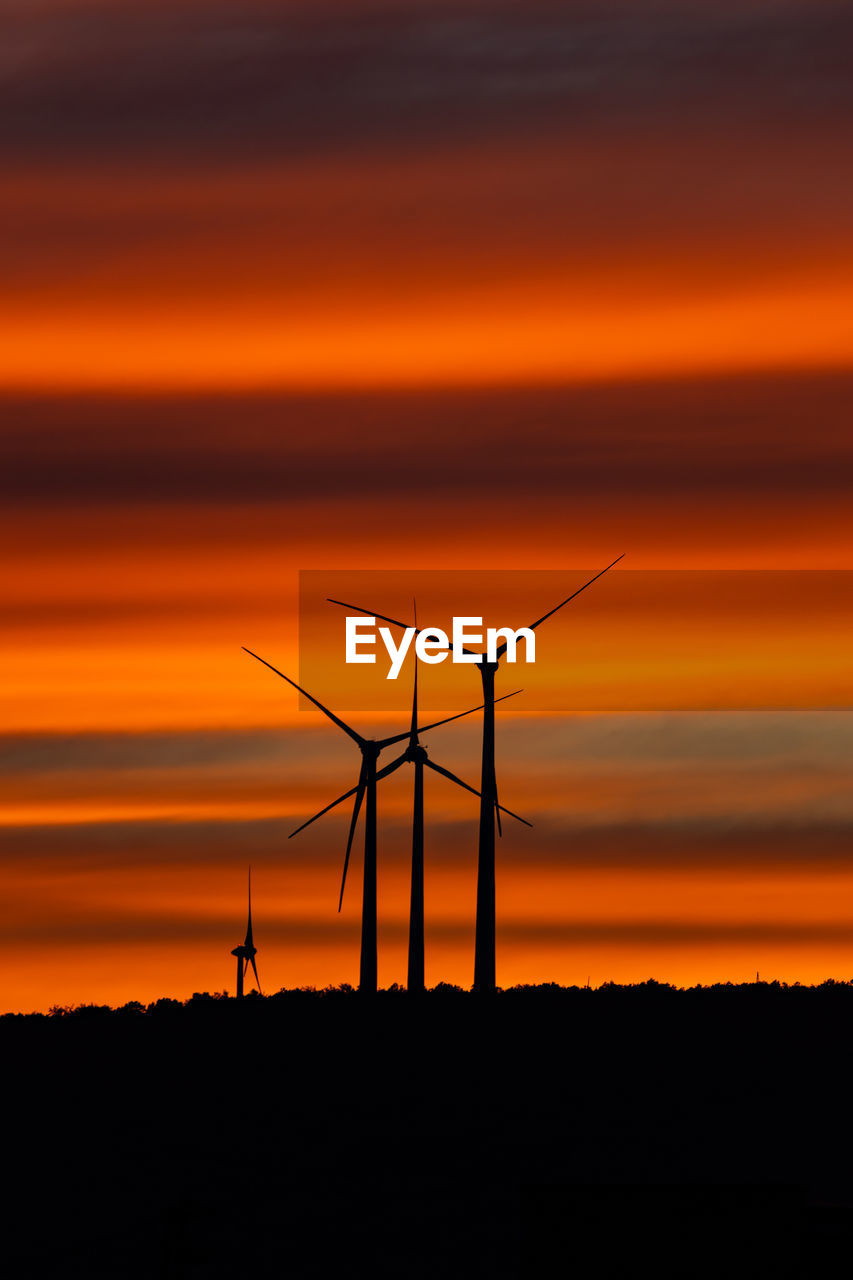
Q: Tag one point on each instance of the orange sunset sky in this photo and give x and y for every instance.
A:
(351, 287)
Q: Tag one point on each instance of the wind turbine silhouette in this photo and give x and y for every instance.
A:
(484, 946)
(415, 754)
(365, 790)
(246, 953)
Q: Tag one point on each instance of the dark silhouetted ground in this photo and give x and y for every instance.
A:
(541, 1132)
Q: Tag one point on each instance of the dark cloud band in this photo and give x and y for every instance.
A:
(186, 79)
(162, 927)
(619, 441)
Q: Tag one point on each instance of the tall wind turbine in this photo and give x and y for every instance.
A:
(415, 754)
(365, 790)
(484, 946)
(246, 953)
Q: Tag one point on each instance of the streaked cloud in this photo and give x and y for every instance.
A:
(621, 443)
(89, 79)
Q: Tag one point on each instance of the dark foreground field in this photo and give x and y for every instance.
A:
(541, 1132)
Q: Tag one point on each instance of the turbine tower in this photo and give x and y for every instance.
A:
(246, 953)
(365, 790)
(484, 946)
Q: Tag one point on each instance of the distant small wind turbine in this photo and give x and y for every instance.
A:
(365, 790)
(246, 953)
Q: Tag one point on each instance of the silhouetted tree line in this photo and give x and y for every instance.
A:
(649, 990)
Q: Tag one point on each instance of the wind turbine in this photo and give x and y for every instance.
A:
(484, 946)
(415, 754)
(365, 790)
(246, 953)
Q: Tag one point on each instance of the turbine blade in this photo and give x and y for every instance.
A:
(509, 813)
(359, 796)
(370, 613)
(413, 732)
(257, 979)
(430, 764)
(502, 650)
(383, 773)
(387, 742)
(356, 737)
(392, 767)
(248, 942)
(339, 800)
